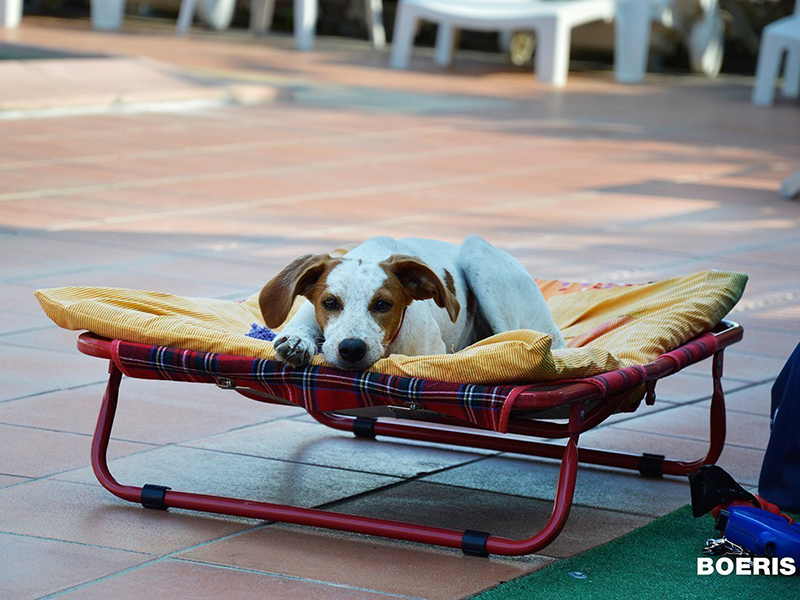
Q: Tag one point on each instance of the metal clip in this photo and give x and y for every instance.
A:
(724, 547)
(410, 410)
(225, 383)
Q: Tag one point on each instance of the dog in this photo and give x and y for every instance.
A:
(409, 296)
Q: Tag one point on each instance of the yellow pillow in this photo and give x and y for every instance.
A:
(606, 327)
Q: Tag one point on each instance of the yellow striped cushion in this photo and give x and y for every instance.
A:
(606, 327)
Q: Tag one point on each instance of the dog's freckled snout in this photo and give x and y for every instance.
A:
(352, 350)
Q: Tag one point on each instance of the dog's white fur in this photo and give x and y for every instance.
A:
(504, 298)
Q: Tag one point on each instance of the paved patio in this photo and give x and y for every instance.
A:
(598, 182)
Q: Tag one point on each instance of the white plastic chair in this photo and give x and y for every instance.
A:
(782, 36)
(790, 188)
(10, 13)
(553, 21)
(305, 20)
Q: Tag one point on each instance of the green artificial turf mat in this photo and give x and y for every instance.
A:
(658, 560)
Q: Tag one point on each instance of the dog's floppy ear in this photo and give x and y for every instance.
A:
(296, 279)
(421, 283)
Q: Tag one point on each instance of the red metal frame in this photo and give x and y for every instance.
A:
(574, 394)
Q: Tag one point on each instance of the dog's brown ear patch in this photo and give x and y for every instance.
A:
(296, 279)
(421, 283)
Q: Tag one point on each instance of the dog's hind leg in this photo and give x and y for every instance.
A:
(507, 295)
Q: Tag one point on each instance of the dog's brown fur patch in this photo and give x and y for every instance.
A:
(394, 292)
(298, 278)
(421, 283)
(449, 283)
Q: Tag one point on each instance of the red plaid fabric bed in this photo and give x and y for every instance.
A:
(326, 389)
(316, 388)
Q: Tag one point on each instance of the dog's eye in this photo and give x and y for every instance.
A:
(382, 305)
(330, 303)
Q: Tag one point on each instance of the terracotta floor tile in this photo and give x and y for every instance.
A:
(684, 387)
(17, 388)
(150, 236)
(48, 338)
(19, 300)
(206, 472)
(6, 480)
(88, 514)
(744, 464)
(121, 278)
(691, 422)
(175, 578)
(510, 516)
(340, 558)
(34, 567)
(13, 322)
(770, 343)
(755, 400)
(314, 444)
(28, 371)
(598, 487)
(31, 452)
(743, 366)
(32, 256)
(591, 184)
(153, 412)
(205, 268)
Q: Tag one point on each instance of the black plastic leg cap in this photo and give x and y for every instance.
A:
(473, 543)
(153, 496)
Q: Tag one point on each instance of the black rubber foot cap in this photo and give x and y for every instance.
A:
(473, 543)
(364, 428)
(153, 496)
(650, 465)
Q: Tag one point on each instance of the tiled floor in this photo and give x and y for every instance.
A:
(598, 182)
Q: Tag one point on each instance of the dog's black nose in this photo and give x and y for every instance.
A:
(352, 350)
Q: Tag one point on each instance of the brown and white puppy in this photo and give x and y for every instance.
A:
(410, 296)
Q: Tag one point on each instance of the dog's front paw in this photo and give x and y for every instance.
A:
(295, 350)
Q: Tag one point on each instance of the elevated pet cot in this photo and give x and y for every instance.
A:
(495, 417)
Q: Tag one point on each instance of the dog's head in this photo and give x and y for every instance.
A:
(359, 304)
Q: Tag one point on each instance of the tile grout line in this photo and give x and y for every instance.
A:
(292, 577)
(322, 506)
(86, 544)
(54, 390)
(673, 405)
(94, 160)
(682, 437)
(549, 500)
(282, 170)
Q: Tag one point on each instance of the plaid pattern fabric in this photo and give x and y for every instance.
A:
(316, 388)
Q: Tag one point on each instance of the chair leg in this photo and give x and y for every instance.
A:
(791, 74)
(10, 13)
(631, 40)
(305, 23)
(791, 186)
(504, 41)
(185, 16)
(377, 34)
(161, 497)
(552, 52)
(261, 12)
(769, 62)
(445, 42)
(405, 28)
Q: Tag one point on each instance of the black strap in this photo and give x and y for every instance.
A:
(364, 428)
(473, 543)
(650, 465)
(153, 496)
